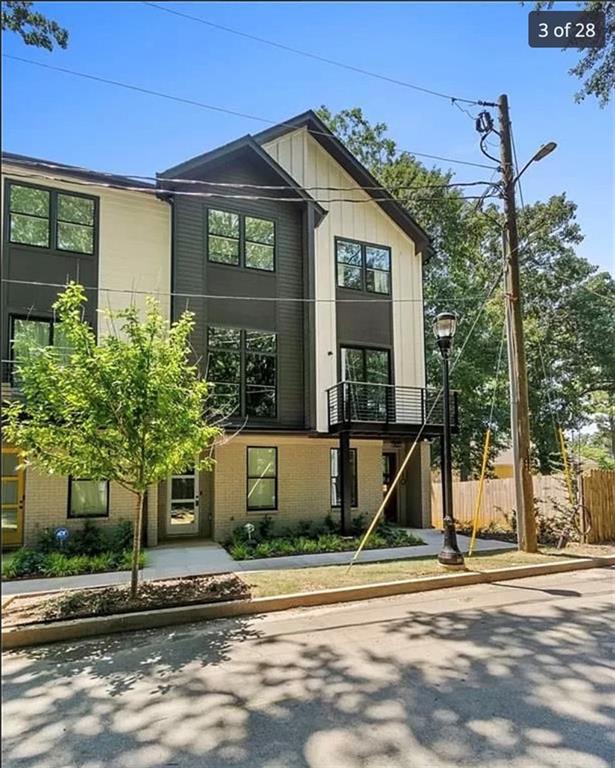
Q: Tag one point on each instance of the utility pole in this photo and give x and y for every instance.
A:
(519, 404)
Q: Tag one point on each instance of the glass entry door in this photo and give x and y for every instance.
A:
(183, 508)
(12, 499)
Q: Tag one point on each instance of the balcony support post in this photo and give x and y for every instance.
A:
(346, 480)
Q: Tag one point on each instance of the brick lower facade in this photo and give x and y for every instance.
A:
(304, 489)
(304, 483)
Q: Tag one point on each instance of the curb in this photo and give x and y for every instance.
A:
(23, 637)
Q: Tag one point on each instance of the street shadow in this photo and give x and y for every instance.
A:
(527, 685)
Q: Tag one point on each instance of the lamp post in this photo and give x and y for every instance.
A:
(444, 327)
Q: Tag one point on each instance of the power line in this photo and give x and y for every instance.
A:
(283, 299)
(225, 196)
(202, 105)
(315, 56)
(236, 185)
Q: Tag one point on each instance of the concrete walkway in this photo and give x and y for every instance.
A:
(207, 557)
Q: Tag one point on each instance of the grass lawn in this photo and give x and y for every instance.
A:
(266, 583)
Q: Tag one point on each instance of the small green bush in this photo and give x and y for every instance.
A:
(23, 563)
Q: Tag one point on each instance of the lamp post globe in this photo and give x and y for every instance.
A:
(444, 327)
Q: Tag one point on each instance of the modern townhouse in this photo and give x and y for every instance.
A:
(306, 280)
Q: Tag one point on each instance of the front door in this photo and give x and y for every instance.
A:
(12, 499)
(183, 506)
(389, 470)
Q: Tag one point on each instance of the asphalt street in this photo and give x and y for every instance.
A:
(515, 674)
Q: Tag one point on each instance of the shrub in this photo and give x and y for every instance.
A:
(120, 537)
(239, 550)
(25, 562)
(90, 540)
(265, 527)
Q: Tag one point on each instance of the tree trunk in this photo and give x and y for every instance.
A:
(136, 546)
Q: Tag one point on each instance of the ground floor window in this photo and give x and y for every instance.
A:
(336, 488)
(262, 489)
(88, 498)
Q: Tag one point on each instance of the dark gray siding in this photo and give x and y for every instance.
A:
(42, 265)
(192, 273)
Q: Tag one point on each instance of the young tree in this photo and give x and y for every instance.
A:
(129, 408)
(34, 28)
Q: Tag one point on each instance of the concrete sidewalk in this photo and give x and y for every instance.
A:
(207, 557)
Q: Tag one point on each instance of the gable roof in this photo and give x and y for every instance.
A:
(74, 171)
(329, 141)
(190, 169)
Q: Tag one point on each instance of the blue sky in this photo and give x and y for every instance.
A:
(475, 50)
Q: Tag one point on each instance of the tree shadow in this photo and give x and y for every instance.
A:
(528, 685)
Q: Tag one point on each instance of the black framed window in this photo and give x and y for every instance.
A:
(240, 240)
(262, 478)
(50, 218)
(243, 370)
(336, 491)
(363, 267)
(29, 214)
(366, 364)
(75, 223)
(88, 498)
(29, 334)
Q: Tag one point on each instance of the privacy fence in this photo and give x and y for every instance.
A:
(498, 502)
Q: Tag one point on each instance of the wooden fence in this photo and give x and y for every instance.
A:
(498, 498)
(598, 492)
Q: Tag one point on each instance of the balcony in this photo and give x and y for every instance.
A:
(384, 408)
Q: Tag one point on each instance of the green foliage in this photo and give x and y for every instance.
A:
(90, 540)
(33, 563)
(312, 537)
(127, 408)
(568, 305)
(596, 65)
(34, 28)
(23, 563)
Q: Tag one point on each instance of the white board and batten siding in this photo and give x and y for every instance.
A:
(310, 165)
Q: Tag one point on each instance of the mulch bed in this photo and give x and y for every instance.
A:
(105, 601)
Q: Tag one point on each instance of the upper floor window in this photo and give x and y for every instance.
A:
(48, 218)
(29, 334)
(240, 240)
(242, 365)
(363, 267)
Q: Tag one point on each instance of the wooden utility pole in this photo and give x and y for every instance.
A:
(519, 404)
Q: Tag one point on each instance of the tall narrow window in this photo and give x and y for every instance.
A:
(259, 243)
(223, 237)
(262, 490)
(363, 267)
(240, 240)
(224, 369)
(243, 371)
(75, 223)
(336, 491)
(88, 498)
(29, 216)
(260, 373)
(28, 335)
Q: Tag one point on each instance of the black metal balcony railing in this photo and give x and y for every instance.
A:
(358, 403)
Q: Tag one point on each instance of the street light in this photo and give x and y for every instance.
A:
(540, 154)
(444, 327)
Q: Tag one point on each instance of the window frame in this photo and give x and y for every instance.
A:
(275, 478)
(354, 496)
(11, 331)
(363, 267)
(364, 349)
(52, 220)
(69, 513)
(242, 240)
(243, 383)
